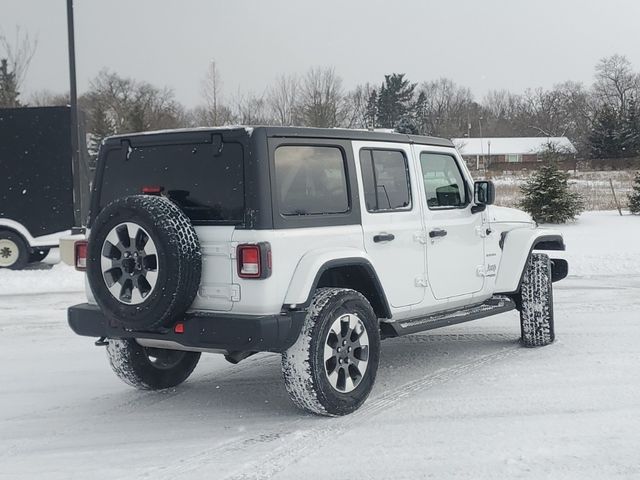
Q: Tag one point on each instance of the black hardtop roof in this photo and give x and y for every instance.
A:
(301, 132)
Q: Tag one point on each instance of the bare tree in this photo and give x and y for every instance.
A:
(251, 109)
(15, 58)
(445, 108)
(321, 99)
(47, 98)
(358, 112)
(282, 98)
(117, 104)
(216, 113)
(616, 82)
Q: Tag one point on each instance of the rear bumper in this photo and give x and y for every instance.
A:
(232, 333)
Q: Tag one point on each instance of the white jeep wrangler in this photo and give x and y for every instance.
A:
(312, 243)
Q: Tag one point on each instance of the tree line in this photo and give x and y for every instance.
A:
(601, 119)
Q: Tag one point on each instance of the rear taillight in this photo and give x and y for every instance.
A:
(254, 260)
(81, 255)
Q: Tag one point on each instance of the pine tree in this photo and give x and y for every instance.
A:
(395, 100)
(8, 86)
(630, 130)
(605, 135)
(99, 126)
(371, 113)
(547, 197)
(634, 196)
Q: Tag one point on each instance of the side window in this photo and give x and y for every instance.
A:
(443, 182)
(311, 180)
(385, 175)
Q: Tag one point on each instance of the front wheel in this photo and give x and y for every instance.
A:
(332, 367)
(536, 312)
(149, 368)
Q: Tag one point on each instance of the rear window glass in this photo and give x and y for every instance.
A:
(311, 180)
(209, 188)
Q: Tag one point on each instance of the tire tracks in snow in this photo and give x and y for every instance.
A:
(280, 449)
(79, 425)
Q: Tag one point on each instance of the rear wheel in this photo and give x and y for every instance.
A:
(536, 313)
(332, 367)
(14, 253)
(150, 368)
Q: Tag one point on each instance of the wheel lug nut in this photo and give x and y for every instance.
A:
(344, 342)
(339, 349)
(340, 361)
(349, 349)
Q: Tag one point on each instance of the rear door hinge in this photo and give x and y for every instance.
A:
(421, 282)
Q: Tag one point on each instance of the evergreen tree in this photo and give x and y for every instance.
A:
(8, 86)
(630, 130)
(407, 125)
(395, 100)
(547, 197)
(605, 135)
(371, 113)
(99, 126)
(634, 196)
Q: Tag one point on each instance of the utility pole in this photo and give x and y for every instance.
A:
(75, 141)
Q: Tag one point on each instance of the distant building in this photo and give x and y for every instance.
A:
(505, 152)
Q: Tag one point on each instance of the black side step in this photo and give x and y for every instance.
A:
(493, 306)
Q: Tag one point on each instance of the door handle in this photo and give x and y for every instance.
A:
(383, 237)
(437, 232)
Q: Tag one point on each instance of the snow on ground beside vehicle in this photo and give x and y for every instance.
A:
(57, 279)
(461, 402)
(602, 243)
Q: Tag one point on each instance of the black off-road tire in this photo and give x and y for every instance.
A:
(38, 255)
(150, 368)
(19, 250)
(303, 365)
(179, 262)
(536, 313)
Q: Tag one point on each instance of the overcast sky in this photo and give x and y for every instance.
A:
(484, 45)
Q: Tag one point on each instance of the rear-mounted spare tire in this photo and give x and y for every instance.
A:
(144, 262)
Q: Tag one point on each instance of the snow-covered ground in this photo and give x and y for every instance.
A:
(462, 402)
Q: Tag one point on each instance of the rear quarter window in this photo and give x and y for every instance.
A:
(311, 180)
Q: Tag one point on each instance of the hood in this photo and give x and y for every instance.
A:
(508, 215)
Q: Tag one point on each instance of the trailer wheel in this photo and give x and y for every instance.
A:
(14, 253)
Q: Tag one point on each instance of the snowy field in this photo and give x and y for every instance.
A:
(593, 186)
(462, 402)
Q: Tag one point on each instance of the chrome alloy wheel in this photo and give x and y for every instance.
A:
(129, 263)
(9, 252)
(346, 353)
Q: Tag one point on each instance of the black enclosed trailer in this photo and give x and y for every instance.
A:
(38, 201)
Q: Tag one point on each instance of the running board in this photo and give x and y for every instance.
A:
(493, 306)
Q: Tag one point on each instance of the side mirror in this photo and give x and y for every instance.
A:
(484, 192)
